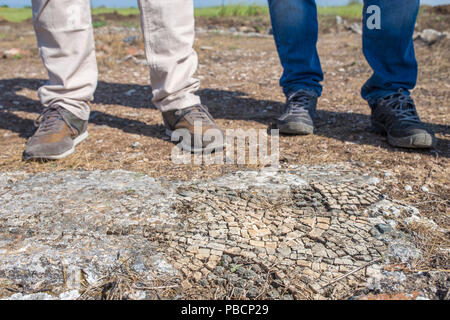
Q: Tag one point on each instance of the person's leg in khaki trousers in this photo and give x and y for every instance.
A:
(66, 42)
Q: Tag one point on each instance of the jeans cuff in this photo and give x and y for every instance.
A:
(290, 92)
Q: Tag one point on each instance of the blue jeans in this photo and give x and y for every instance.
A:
(389, 50)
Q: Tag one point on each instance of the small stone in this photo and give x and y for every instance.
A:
(344, 269)
(374, 232)
(131, 39)
(216, 253)
(203, 282)
(211, 265)
(308, 221)
(431, 36)
(384, 228)
(274, 294)
(323, 220)
(252, 293)
(235, 231)
(216, 246)
(204, 271)
(229, 219)
(136, 145)
(203, 253)
(304, 263)
(197, 276)
(319, 250)
(315, 287)
(257, 243)
(248, 254)
(316, 234)
(322, 226)
(214, 233)
(285, 230)
(192, 249)
(284, 251)
(356, 28)
(272, 245)
(15, 53)
(258, 233)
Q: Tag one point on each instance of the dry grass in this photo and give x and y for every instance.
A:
(122, 283)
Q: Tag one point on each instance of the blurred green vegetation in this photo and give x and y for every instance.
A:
(349, 11)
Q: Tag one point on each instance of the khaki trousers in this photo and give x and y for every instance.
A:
(66, 43)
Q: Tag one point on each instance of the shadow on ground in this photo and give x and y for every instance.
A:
(223, 104)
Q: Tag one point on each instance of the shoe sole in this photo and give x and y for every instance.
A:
(296, 128)
(188, 147)
(65, 154)
(415, 141)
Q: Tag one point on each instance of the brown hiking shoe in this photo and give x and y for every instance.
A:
(196, 127)
(59, 131)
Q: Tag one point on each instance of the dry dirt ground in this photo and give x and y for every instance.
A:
(240, 86)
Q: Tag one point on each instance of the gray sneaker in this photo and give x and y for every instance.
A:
(396, 116)
(299, 113)
(59, 131)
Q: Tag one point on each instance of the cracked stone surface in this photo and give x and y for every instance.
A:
(252, 234)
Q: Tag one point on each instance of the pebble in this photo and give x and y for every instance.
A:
(136, 145)
(431, 36)
(384, 228)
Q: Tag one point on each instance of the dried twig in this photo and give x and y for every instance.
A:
(155, 288)
(351, 272)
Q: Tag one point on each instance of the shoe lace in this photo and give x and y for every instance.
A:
(48, 120)
(197, 113)
(299, 102)
(403, 107)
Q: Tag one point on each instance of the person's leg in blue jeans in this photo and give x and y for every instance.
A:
(295, 30)
(390, 49)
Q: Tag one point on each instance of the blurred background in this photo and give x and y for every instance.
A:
(203, 3)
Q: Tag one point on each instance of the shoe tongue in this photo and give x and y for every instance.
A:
(404, 105)
(52, 113)
(196, 109)
(299, 103)
(50, 121)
